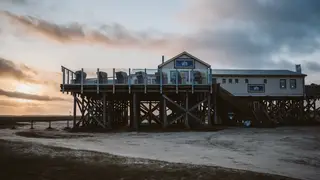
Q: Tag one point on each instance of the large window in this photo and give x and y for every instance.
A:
(293, 83)
(283, 84)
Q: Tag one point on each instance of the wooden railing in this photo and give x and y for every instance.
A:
(160, 77)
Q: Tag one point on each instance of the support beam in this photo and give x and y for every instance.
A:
(110, 113)
(186, 122)
(164, 111)
(136, 111)
(209, 110)
(104, 106)
(74, 109)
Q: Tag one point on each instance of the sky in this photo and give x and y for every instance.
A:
(38, 36)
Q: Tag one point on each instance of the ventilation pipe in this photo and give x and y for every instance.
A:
(298, 68)
(162, 59)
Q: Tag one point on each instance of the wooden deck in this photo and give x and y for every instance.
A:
(125, 88)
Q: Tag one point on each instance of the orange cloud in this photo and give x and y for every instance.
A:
(13, 94)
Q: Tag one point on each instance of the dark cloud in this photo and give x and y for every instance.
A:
(237, 33)
(14, 1)
(313, 66)
(22, 72)
(10, 69)
(111, 35)
(249, 32)
(19, 95)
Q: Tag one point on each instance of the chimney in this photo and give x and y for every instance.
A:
(162, 59)
(298, 68)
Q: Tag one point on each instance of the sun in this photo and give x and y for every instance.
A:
(27, 89)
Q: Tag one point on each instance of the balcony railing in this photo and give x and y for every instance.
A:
(162, 77)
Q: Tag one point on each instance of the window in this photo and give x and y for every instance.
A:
(223, 81)
(293, 83)
(246, 81)
(283, 84)
(265, 81)
(230, 81)
(236, 81)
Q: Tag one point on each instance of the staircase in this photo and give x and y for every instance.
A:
(258, 116)
(263, 119)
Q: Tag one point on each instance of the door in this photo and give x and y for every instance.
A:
(184, 77)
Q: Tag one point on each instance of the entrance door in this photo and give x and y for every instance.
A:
(184, 77)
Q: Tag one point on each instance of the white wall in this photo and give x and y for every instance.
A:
(198, 65)
(272, 87)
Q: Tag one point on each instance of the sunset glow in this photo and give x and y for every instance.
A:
(28, 88)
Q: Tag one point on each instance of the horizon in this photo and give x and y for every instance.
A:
(38, 37)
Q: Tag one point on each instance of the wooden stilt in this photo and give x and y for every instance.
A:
(136, 110)
(209, 110)
(74, 109)
(104, 113)
(164, 111)
(186, 122)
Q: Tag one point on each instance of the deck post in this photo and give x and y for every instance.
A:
(71, 77)
(160, 72)
(150, 112)
(114, 82)
(145, 80)
(104, 110)
(49, 125)
(216, 121)
(136, 111)
(63, 78)
(209, 110)
(74, 109)
(177, 78)
(192, 81)
(98, 80)
(164, 112)
(68, 77)
(210, 78)
(129, 81)
(81, 80)
(131, 113)
(186, 122)
(110, 112)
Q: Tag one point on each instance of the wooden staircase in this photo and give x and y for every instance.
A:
(258, 116)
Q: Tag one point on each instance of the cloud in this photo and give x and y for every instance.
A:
(20, 95)
(114, 35)
(237, 33)
(7, 103)
(22, 72)
(10, 69)
(250, 32)
(313, 66)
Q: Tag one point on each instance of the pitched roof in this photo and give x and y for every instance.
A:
(181, 54)
(255, 72)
